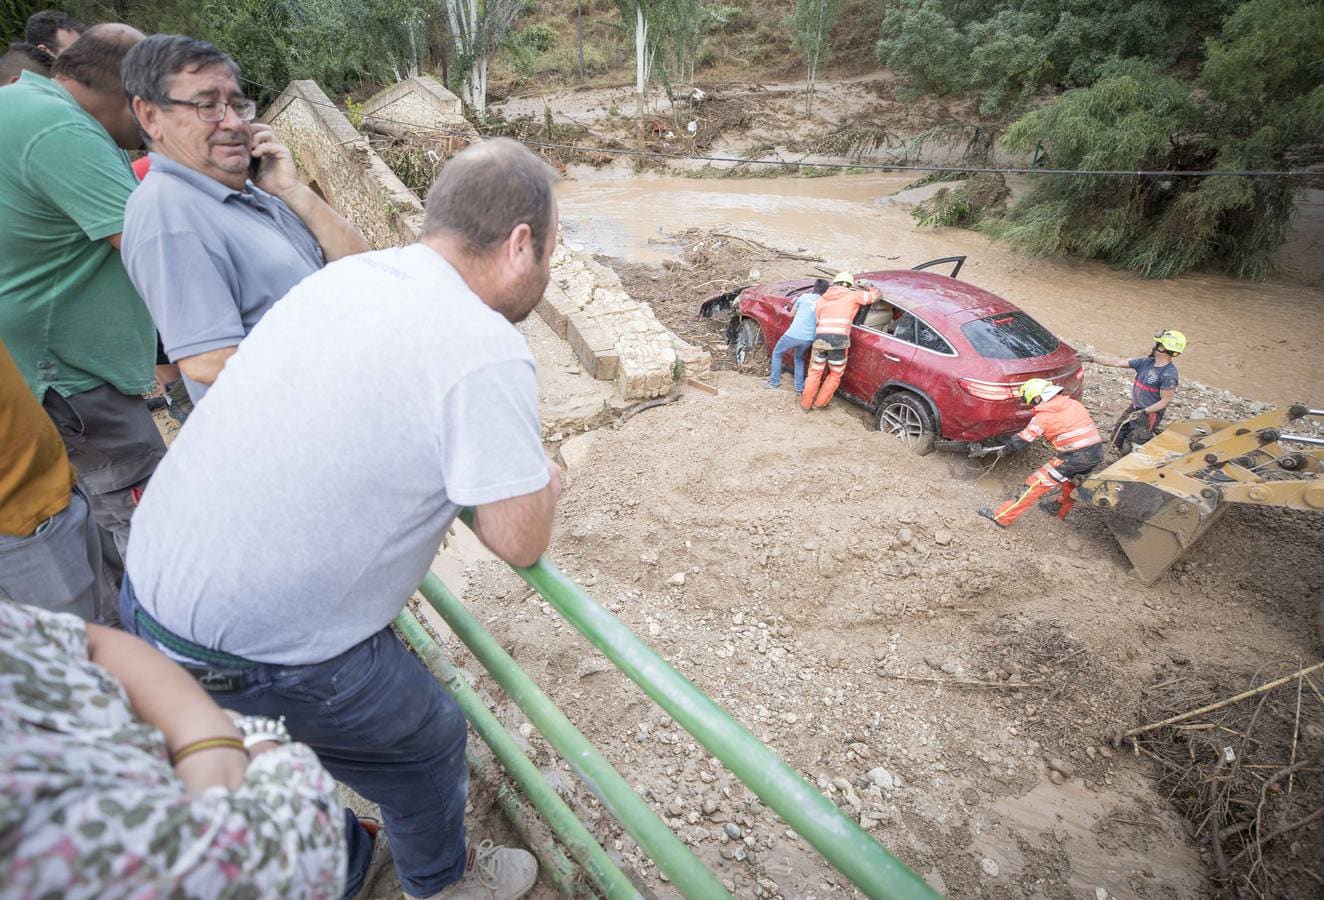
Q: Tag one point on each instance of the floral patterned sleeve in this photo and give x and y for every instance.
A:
(90, 806)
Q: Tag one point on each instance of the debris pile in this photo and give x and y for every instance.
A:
(1247, 772)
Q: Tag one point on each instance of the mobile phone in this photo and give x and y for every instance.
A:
(254, 164)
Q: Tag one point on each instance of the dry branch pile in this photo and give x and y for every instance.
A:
(1248, 775)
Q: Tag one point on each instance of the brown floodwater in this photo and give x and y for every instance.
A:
(1258, 339)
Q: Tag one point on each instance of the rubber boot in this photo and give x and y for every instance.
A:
(1013, 509)
(812, 379)
(829, 387)
(1068, 500)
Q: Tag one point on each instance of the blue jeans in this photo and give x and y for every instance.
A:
(801, 349)
(381, 724)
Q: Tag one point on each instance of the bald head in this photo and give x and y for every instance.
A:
(94, 59)
(488, 190)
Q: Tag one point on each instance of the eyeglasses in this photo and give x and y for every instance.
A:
(214, 110)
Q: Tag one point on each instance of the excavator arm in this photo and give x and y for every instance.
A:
(1160, 498)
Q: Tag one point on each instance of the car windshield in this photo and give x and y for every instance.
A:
(1009, 335)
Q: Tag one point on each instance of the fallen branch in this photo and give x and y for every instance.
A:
(647, 404)
(780, 253)
(1296, 730)
(964, 682)
(1253, 692)
(1277, 777)
(1279, 832)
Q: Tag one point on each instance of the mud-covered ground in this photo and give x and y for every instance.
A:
(840, 594)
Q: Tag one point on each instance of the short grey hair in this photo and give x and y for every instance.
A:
(149, 66)
(486, 191)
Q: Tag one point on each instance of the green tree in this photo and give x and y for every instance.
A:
(1258, 103)
(1009, 51)
(478, 28)
(14, 16)
(338, 43)
(920, 41)
(1126, 121)
(811, 24)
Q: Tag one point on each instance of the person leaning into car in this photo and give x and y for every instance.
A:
(836, 314)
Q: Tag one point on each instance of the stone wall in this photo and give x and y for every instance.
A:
(615, 338)
(338, 161)
(423, 106)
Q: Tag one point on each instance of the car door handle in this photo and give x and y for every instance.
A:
(892, 358)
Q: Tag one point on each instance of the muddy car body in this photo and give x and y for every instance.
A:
(937, 360)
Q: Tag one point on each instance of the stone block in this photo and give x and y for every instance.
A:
(695, 362)
(593, 346)
(574, 451)
(555, 308)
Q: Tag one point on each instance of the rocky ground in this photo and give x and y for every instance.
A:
(951, 686)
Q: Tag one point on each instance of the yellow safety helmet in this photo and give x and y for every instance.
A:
(1038, 389)
(1171, 341)
(845, 278)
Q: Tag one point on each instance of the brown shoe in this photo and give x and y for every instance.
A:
(380, 860)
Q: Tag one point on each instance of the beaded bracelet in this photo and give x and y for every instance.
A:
(206, 744)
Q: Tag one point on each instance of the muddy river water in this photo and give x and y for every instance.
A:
(1261, 340)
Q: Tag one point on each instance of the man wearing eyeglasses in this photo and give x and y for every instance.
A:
(222, 227)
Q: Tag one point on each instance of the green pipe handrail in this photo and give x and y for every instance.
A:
(583, 847)
(690, 876)
(847, 846)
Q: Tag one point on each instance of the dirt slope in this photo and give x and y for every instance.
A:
(836, 588)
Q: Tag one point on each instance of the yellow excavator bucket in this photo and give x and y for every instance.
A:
(1163, 495)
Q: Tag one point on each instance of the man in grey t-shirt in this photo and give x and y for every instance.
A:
(210, 246)
(271, 552)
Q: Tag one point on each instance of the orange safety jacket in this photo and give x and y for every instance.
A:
(1064, 422)
(838, 306)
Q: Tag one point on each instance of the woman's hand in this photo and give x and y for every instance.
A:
(217, 767)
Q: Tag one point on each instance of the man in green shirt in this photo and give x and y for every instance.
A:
(71, 318)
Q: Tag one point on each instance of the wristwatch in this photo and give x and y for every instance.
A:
(257, 729)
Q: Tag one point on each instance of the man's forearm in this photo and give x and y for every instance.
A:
(518, 531)
(1165, 397)
(205, 367)
(1116, 362)
(337, 235)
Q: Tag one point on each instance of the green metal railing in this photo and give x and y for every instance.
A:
(606, 877)
(848, 847)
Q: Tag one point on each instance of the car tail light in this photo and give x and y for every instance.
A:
(988, 390)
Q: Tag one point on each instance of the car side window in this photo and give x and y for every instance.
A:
(931, 340)
(905, 328)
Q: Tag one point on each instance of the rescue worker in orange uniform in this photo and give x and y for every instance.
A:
(836, 312)
(1069, 429)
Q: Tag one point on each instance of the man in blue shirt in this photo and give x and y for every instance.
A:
(799, 337)
(1153, 389)
(210, 245)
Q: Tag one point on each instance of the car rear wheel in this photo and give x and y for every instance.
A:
(747, 347)
(908, 417)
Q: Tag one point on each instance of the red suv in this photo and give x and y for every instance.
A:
(937, 361)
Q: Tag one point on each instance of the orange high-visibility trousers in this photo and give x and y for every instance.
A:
(1043, 480)
(818, 389)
